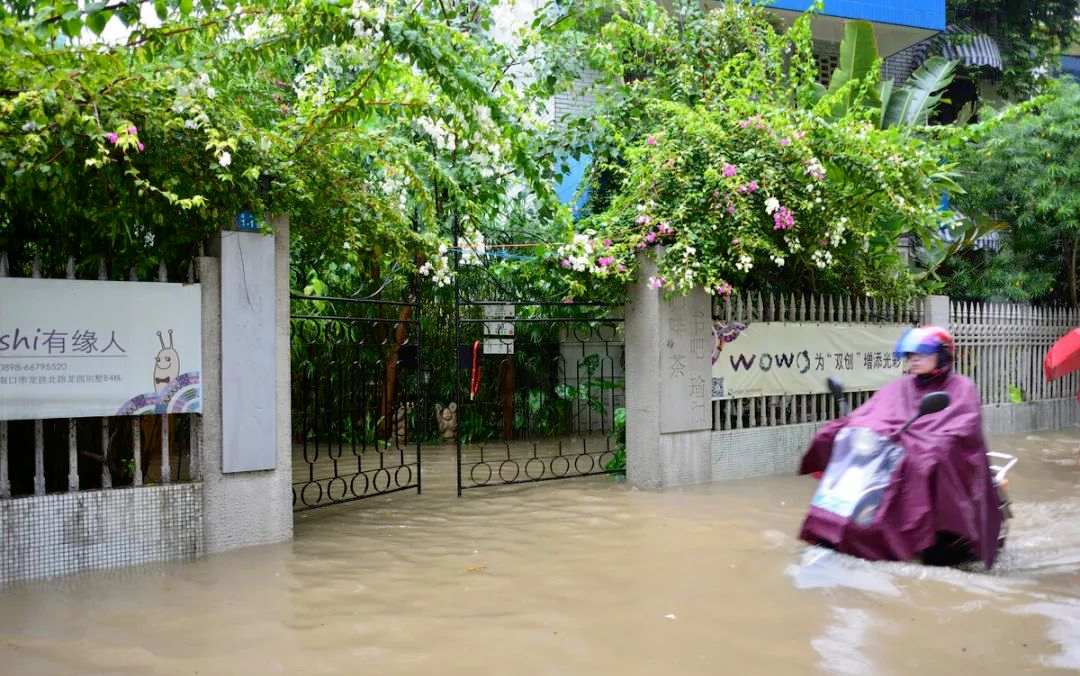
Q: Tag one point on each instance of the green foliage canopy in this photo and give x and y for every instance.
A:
(1025, 171)
(1032, 34)
(717, 154)
(369, 124)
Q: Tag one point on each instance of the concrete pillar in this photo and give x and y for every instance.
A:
(668, 387)
(936, 311)
(242, 508)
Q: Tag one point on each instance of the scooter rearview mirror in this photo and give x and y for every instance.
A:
(836, 387)
(933, 402)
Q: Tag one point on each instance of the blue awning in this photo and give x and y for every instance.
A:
(964, 44)
(970, 47)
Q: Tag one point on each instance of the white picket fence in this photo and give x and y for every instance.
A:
(1001, 347)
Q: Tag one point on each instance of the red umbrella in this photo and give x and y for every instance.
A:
(1064, 357)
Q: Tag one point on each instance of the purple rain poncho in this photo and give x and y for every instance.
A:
(942, 483)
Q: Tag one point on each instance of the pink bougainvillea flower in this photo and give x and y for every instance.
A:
(607, 242)
(729, 170)
(621, 268)
(133, 130)
(785, 141)
(650, 141)
(651, 237)
(113, 138)
(783, 219)
(641, 245)
(643, 219)
(141, 147)
(566, 262)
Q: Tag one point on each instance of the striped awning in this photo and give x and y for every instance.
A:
(971, 48)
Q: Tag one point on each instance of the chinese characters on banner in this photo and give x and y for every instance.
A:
(73, 348)
(796, 358)
(685, 363)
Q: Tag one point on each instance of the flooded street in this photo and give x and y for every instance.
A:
(586, 576)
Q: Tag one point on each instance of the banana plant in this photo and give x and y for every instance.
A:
(915, 101)
(933, 252)
(859, 60)
(908, 106)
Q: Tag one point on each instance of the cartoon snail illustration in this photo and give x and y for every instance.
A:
(166, 363)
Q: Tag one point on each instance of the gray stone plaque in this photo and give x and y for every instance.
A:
(686, 363)
(248, 352)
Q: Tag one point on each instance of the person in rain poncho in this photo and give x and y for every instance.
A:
(937, 501)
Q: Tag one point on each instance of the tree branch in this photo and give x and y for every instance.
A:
(107, 8)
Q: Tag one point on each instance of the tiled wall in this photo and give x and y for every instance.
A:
(929, 14)
(55, 534)
(902, 64)
(897, 67)
(577, 101)
(759, 451)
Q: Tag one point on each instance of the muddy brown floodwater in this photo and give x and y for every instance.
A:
(579, 577)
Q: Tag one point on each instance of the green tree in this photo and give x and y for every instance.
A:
(370, 124)
(1033, 34)
(1025, 171)
(716, 153)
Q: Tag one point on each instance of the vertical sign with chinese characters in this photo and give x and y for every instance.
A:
(73, 348)
(685, 363)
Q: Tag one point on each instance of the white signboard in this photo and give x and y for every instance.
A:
(73, 348)
(498, 336)
(498, 346)
(796, 358)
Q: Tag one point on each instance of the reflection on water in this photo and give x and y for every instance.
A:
(579, 577)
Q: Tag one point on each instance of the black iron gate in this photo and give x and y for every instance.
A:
(540, 391)
(356, 395)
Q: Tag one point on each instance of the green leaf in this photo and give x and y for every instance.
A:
(162, 9)
(565, 392)
(186, 6)
(71, 27)
(885, 91)
(96, 21)
(536, 400)
(913, 104)
(858, 52)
